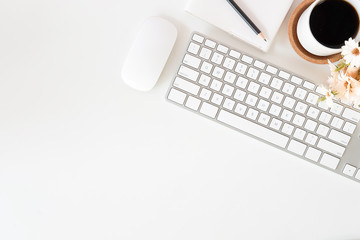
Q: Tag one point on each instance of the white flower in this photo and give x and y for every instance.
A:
(332, 66)
(348, 89)
(351, 52)
(347, 84)
(333, 69)
(329, 96)
(344, 82)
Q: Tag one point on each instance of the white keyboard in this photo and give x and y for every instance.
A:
(269, 103)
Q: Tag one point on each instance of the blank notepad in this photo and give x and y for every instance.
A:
(266, 14)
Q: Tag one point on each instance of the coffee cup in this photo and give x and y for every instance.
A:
(325, 25)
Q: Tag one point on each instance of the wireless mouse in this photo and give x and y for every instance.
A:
(149, 53)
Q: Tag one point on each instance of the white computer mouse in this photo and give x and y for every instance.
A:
(149, 53)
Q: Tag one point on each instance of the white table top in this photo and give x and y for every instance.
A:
(82, 156)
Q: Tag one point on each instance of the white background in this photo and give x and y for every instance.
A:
(83, 156)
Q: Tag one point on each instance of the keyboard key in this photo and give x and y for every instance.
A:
(349, 127)
(209, 110)
(251, 100)
(275, 110)
(349, 170)
(288, 88)
(229, 63)
(240, 108)
(296, 147)
(330, 147)
(264, 119)
(177, 96)
(264, 78)
(253, 87)
(351, 115)
(300, 93)
(252, 73)
(247, 59)
(336, 108)
(310, 125)
(265, 92)
(329, 161)
(252, 114)
(277, 97)
(322, 130)
(275, 124)
(217, 58)
(193, 48)
(253, 129)
(286, 115)
(276, 83)
(309, 85)
(289, 102)
(325, 117)
(188, 73)
(298, 120)
(210, 43)
(205, 94)
(287, 129)
(313, 112)
(205, 53)
(206, 67)
(259, 64)
(299, 134)
(339, 137)
(216, 85)
(230, 77)
(222, 48)
(228, 90)
(204, 80)
(284, 75)
(321, 90)
(193, 103)
(198, 38)
(241, 68)
(239, 95)
(345, 103)
(263, 105)
(217, 99)
(229, 104)
(191, 61)
(312, 99)
(311, 139)
(323, 105)
(186, 86)
(218, 72)
(296, 80)
(337, 122)
(242, 82)
(313, 154)
(235, 54)
(301, 107)
(271, 69)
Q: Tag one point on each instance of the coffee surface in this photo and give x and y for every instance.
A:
(334, 21)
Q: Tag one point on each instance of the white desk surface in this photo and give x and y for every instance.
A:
(82, 156)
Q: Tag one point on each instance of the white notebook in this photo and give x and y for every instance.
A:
(266, 14)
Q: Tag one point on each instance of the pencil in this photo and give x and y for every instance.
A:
(247, 19)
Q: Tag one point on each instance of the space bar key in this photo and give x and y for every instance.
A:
(253, 128)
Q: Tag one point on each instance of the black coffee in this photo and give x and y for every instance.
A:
(334, 21)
